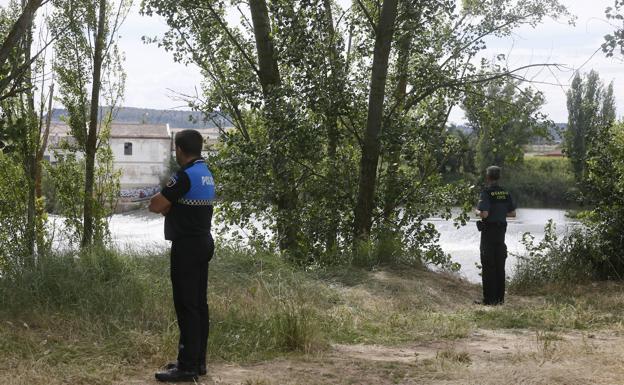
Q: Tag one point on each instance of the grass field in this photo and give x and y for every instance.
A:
(107, 318)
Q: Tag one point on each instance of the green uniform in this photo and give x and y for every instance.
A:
(498, 203)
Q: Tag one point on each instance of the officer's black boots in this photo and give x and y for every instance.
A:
(202, 367)
(177, 375)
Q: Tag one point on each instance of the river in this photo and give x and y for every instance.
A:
(141, 230)
(463, 243)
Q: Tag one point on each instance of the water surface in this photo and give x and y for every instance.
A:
(144, 230)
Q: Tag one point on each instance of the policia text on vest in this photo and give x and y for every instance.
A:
(187, 204)
(495, 205)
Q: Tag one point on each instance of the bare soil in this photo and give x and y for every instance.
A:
(485, 357)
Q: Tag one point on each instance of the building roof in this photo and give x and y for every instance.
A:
(121, 130)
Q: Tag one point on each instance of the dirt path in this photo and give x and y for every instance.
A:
(484, 358)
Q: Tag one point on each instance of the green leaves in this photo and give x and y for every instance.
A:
(505, 118)
(302, 134)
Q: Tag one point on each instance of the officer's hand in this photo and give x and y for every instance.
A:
(159, 204)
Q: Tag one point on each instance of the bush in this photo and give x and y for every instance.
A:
(13, 211)
(574, 258)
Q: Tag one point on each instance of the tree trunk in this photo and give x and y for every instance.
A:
(43, 144)
(31, 140)
(331, 116)
(21, 28)
(391, 190)
(91, 142)
(371, 141)
(278, 124)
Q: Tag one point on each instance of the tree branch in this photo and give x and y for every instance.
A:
(368, 16)
(231, 37)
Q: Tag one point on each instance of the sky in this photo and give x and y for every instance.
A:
(153, 78)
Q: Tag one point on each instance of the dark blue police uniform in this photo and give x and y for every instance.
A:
(498, 203)
(191, 192)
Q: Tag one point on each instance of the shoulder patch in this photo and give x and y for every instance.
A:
(172, 181)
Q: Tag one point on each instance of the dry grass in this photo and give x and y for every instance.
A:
(274, 325)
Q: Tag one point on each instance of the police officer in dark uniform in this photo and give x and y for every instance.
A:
(495, 206)
(187, 203)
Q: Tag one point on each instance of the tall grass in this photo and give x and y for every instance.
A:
(259, 306)
(96, 317)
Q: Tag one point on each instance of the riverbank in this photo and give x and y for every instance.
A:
(141, 230)
(107, 319)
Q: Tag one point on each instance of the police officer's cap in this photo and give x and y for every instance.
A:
(493, 172)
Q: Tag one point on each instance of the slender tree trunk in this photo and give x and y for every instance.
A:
(371, 141)
(286, 196)
(91, 143)
(393, 157)
(43, 144)
(331, 116)
(31, 139)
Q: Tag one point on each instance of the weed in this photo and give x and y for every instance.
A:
(454, 356)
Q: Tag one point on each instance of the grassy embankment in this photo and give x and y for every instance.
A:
(100, 320)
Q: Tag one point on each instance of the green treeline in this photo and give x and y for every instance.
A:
(542, 182)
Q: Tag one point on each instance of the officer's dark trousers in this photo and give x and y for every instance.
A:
(189, 279)
(493, 256)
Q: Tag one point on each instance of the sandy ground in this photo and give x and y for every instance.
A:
(486, 357)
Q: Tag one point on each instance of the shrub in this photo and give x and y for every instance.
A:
(13, 211)
(571, 259)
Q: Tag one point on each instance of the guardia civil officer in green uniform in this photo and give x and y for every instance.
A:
(187, 203)
(495, 206)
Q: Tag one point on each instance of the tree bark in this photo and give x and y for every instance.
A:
(21, 27)
(286, 194)
(393, 157)
(31, 139)
(91, 142)
(43, 144)
(371, 141)
(331, 116)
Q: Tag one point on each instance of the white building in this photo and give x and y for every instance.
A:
(141, 151)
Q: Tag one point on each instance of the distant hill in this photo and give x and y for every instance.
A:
(175, 118)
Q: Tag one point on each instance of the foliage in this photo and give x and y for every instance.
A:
(591, 109)
(603, 191)
(13, 207)
(461, 162)
(504, 118)
(66, 181)
(21, 111)
(542, 182)
(89, 66)
(555, 259)
(592, 251)
(307, 128)
(614, 42)
(65, 190)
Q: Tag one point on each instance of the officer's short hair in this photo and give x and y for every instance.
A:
(190, 142)
(493, 172)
